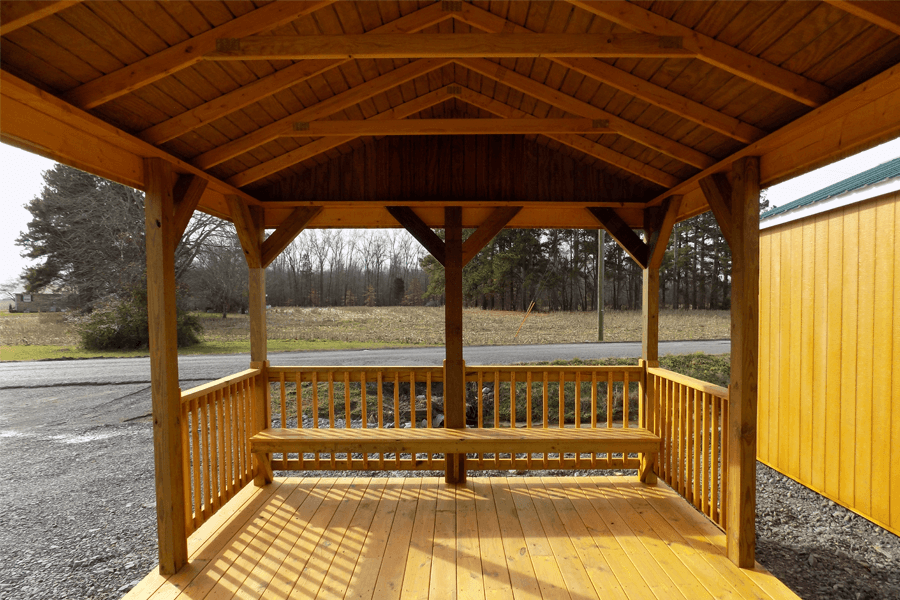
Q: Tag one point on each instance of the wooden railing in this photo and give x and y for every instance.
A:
(497, 396)
(691, 417)
(216, 425)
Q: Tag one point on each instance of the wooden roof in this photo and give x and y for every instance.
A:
(655, 95)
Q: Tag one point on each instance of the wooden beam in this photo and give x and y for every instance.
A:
(717, 191)
(246, 228)
(189, 52)
(624, 81)
(740, 509)
(883, 14)
(623, 234)
(448, 127)
(419, 230)
(659, 238)
(650, 317)
(279, 80)
(499, 219)
(446, 45)
(319, 146)
(454, 366)
(39, 122)
(714, 52)
(188, 191)
(172, 512)
(289, 229)
(567, 103)
(581, 144)
(332, 105)
(259, 350)
(15, 15)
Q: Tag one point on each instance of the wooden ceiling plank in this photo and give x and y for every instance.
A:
(278, 81)
(717, 191)
(448, 127)
(623, 234)
(247, 230)
(14, 15)
(712, 51)
(572, 105)
(445, 45)
(285, 233)
(625, 81)
(324, 108)
(659, 238)
(177, 57)
(419, 230)
(498, 219)
(321, 145)
(882, 14)
(187, 193)
(577, 142)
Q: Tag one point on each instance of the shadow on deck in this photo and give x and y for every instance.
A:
(566, 537)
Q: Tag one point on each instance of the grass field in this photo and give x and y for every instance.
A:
(33, 336)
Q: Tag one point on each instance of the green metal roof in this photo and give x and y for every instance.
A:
(883, 171)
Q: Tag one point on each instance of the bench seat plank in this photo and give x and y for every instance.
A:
(439, 440)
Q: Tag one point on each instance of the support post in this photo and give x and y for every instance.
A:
(649, 355)
(740, 507)
(168, 448)
(454, 367)
(258, 341)
(601, 271)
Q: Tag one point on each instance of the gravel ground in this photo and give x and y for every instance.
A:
(77, 513)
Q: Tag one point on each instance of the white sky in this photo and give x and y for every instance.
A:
(21, 174)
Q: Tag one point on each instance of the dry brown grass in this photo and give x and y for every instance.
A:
(402, 325)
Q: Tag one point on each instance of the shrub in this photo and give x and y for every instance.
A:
(119, 323)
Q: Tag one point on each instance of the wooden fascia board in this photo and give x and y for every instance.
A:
(717, 191)
(447, 45)
(624, 81)
(247, 230)
(278, 81)
(187, 193)
(285, 233)
(714, 52)
(319, 146)
(861, 118)
(372, 127)
(572, 105)
(39, 122)
(15, 15)
(419, 230)
(660, 237)
(623, 234)
(182, 55)
(582, 144)
(327, 107)
(499, 219)
(883, 14)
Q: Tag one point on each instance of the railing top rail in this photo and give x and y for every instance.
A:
(557, 368)
(218, 384)
(697, 384)
(351, 369)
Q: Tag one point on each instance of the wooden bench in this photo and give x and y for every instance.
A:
(459, 441)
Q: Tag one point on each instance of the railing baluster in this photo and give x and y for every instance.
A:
(704, 452)
(380, 398)
(315, 410)
(220, 455)
(546, 395)
(229, 440)
(428, 416)
(562, 411)
(609, 400)
(593, 412)
(698, 433)
(496, 412)
(283, 396)
(397, 411)
(331, 401)
(364, 412)
(626, 400)
(528, 391)
(715, 462)
(198, 469)
(186, 465)
(204, 435)
(723, 517)
(412, 400)
(348, 411)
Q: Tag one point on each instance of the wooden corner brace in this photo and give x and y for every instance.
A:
(247, 230)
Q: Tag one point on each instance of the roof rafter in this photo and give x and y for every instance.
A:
(567, 103)
(625, 81)
(577, 142)
(15, 15)
(882, 14)
(714, 52)
(369, 127)
(177, 57)
(278, 81)
(332, 105)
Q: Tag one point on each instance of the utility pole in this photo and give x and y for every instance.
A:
(601, 265)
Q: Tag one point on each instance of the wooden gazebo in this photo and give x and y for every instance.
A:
(450, 115)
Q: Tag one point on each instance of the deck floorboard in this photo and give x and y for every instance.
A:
(493, 538)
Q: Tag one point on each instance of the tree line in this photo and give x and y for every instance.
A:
(88, 234)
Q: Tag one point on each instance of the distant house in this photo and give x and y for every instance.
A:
(829, 342)
(25, 303)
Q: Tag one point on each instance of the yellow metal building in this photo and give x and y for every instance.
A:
(829, 344)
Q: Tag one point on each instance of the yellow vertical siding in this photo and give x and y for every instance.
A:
(829, 381)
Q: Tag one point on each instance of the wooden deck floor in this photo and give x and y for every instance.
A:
(569, 537)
